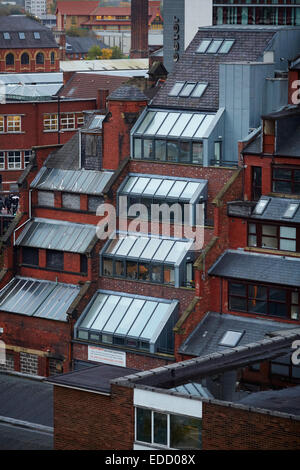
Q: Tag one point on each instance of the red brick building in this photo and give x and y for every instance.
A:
(26, 46)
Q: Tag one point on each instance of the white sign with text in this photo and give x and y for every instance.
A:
(107, 356)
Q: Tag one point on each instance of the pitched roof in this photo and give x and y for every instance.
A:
(206, 337)
(276, 208)
(86, 85)
(249, 46)
(258, 267)
(76, 44)
(15, 24)
(44, 299)
(127, 93)
(76, 7)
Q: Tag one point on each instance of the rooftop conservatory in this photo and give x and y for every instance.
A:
(148, 258)
(178, 136)
(129, 320)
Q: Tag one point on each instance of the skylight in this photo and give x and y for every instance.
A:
(261, 206)
(36, 35)
(291, 210)
(97, 122)
(6, 35)
(186, 89)
(214, 46)
(203, 46)
(231, 338)
(21, 35)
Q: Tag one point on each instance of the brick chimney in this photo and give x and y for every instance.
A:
(124, 105)
(101, 98)
(139, 29)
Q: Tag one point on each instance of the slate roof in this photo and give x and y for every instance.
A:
(286, 400)
(66, 158)
(258, 267)
(86, 85)
(14, 24)
(92, 378)
(249, 46)
(127, 93)
(276, 208)
(82, 44)
(207, 335)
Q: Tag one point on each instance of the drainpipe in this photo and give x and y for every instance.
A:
(29, 216)
(79, 152)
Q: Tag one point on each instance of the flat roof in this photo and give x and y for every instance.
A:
(94, 379)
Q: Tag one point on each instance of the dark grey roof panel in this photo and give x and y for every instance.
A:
(66, 158)
(249, 45)
(276, 209)
(82, 44)
(258, 267)
(286, 400)
(207, 335)
(14, 24)
(127, 93)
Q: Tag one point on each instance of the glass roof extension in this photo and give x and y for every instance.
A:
(164, 187)
(72, 181)
(148, 248)
(34, 298)
(174, 124)
(57, 235)
(116, 315)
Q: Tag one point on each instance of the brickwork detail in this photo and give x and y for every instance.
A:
(9, 364)
(29, 363)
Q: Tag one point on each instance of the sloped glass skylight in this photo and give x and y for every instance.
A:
(261, 206)
(36, 35)
(291, 210)
(21, 35)
(188, 89)
(231, 338)
(215, 46)
(6, 35)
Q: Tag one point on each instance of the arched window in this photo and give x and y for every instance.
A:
(40, 58)
(24, 58)
(10, 59)
(52, 58)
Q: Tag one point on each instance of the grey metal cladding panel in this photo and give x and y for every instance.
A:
(206, 337)
(57, 303)
(262, 268)
(45, 198)
(248, 46)
(71, 201)
(65, 237)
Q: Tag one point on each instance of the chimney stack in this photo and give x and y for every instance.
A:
(139, 29)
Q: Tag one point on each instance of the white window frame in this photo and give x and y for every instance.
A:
(50, 122)
(27, 155)
(67, 121)
(13, 165)
(13, 125)
(2, 160)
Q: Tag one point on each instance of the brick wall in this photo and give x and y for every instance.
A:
(229, 428)
(90, 421)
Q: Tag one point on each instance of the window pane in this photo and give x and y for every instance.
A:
(55, 260)
(30, 256)
(252, 241)
(237, 289)
(107, 267)
(199, 90)
(149, 149)
(277, 310)
(160, 428)
(277, 294)
(213, 48)
(172, 151)
(257, 292)
(269, 230)
(145, 122)
(137, 148)
(197, 155)
(156, 272)
(180, 125)
(204, 45)
(288, 245)
(185, 432)
(256, 306)
(156, 123)
(168, 124)
(282, 187)
(280, 173)
(268, 242)
(193, 125)
(160, 150)
(169, 275)
(131, 270)
(288, 232)
(280, 370)
(187, 89)
(119, 268)
(176, 88)
(238, 304)
(143, 425)
(144, 274)
(184, 151)
(226, 46)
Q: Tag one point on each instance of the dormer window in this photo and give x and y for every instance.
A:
(36, 35)
(21, 35)
(6, 35)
